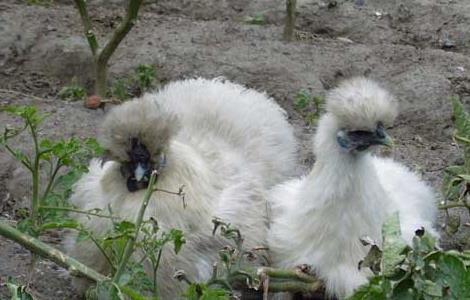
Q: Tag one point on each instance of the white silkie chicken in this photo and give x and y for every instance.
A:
(320, 218)
(226, 144)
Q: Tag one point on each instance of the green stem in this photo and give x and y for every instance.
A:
(105, 54)
(46, 251)
(98, 245)
(35, 178)
(287, 274)
(76, 211)
(129, 249)
(155, 268)
(88, 28)
(294, 286)
(51, 181)
(26, 163)
(454, 205)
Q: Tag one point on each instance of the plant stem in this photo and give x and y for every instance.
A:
(155, 269)
(46, 251)
(26, 164)
(289, 280)
(101, 57)
(88, 28)
(51, 181)
(290, 20)
(98, 245)
(77, 211)
(129, 249)
(294, 286)
(453, 205)
(35, 178)
(287, 274)
(101, 77)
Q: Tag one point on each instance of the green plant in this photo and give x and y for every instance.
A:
(257, 19)
(49, 158)
(311, 107)
(239, 267)
(102, 55)
(145, 77)
(17, 291)
(72, 92)
(120, 89)
(421, 271)
(456, 182)
(133, 85)
(49, 208)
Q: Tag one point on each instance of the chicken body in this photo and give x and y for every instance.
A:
(224, 143)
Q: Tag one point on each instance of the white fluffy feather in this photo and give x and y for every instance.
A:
(226, 144)
(319, 219)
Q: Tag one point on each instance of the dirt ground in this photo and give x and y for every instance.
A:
(419, 49)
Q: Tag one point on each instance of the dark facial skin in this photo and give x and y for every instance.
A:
(361, 140)
(139, 157)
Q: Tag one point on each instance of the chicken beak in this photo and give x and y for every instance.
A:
(382, 137)
(388, 141)
(139, 172)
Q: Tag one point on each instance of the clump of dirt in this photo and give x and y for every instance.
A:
(418, 49)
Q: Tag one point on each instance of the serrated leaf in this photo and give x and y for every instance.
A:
(178, 239)
(393, 245)
(125, 227)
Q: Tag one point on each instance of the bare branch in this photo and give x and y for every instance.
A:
(46, 251)
(121, 31)
(88, 28)
(290, 19)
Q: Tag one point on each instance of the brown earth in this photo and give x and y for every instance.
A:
(420, 50)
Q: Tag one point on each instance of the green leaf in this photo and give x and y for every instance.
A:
(393, 245)
(465, 177)
(462, 126)
(145, 75)
(72, 92)
(372, 260)
(258, 19)
(26, 226)
(94, 147)
(178, 239)
(202, 292)
(104, 290)
(432, 289)
(134, 295)
(372, 291)
(125, 227)
(18, 292)
(302, 100)
(454, 275)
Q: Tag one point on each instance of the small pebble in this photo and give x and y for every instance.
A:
(359, 2)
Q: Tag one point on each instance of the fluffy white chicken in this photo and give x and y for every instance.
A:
(320, 218)
(226, 144)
